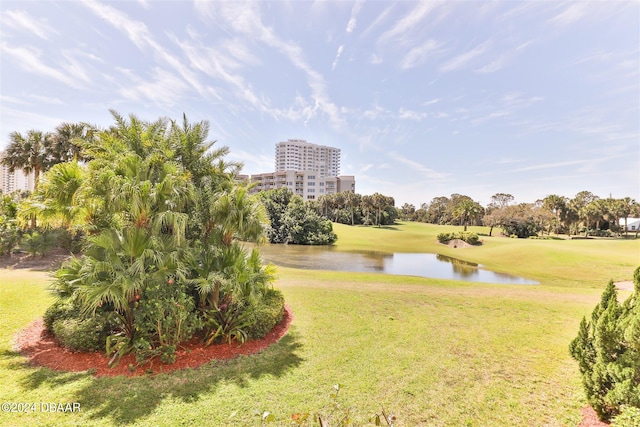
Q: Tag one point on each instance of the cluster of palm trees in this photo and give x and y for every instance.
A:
(162, 214)
(352, 208)
(590, 212)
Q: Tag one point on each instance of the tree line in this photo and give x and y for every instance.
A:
(584, 213)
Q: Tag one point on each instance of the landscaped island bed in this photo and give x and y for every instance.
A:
(432, 352)
(41, 348)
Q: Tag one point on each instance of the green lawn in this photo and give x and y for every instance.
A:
(433, 352)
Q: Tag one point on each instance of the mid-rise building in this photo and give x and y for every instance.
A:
(300, 155)
(307, 184)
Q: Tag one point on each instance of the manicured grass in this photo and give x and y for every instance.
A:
(433, 352)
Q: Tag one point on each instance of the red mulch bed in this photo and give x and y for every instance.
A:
(42, 350)
(590, 418)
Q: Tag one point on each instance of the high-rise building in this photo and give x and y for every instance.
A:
(16, 180)
(300, 155)
(309, 170)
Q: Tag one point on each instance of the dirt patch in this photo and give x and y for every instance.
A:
(627, 285)
(51, 262)
(590, 418)
(458, 243)
(41, 349)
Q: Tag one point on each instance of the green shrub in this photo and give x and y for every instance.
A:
(165, 318)
(62, 309)
(74, 329)
(227, 322)
(265, 314)
(444, 237)
(80, 334)
(469, 237)
(465, 236)
(9, 236)
(37, 242)
(607, 349)
(71, 241)
(629, 417)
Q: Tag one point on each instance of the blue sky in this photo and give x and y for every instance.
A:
(424, 99)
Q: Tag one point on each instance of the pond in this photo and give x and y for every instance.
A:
(408, 264)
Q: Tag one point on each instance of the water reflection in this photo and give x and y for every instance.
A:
(409, 264)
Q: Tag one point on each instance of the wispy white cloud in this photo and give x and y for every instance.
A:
(418, 55)
(46, 99)
(418, 167)
(21, 20)
(490, 116)
(553, 165)
(376, 22)
(495, 65)
(162, 87)
(29, 59)
(406, 114)
(245, 19)
(375, 59)
(24, 119)
(357, 6)
(335, 61)
(140, 36)
(409, 21)
(463, 59)
(365, 168)
(517, 100)
(571, 14)
(376, 112)
(252, 161)
(431, 102)
(13, 100)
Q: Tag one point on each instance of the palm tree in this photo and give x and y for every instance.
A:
(367, 206)
(68, 140)
(557, 205)
(145, 194)
(237, 213)
(351, 200)
(626, 207)
(466, 210)
(197, 155)
(56, 199)
(28, 152)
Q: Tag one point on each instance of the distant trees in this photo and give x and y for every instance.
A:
(457, 209)
(38, 151)
(30, 152)
(407, 212)
(585, 213)
(352, 208)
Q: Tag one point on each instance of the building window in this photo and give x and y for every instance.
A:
(321, 184)
(311, 177)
